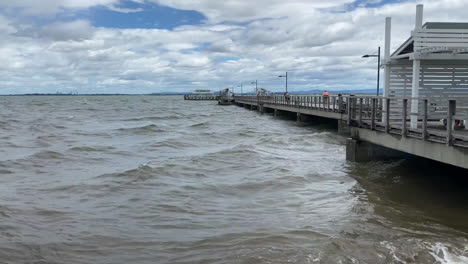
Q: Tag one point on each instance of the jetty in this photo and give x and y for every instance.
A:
(204, 97)
(201, 95)
(422, 110)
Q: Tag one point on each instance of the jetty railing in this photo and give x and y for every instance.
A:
(201, 97)
(440, 120)
(332, 103)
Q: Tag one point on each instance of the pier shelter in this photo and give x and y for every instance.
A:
(431, 65)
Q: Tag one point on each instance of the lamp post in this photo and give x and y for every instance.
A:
(378, 67)
(256, 86)
(285, 76)
(240, 87)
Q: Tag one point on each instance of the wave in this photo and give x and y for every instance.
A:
(154, 118)
(172, 144)
(142, 129)
(204, 124)
(92, 149)
(48, 155)
(142, 173)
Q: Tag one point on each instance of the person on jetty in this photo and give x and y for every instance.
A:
(286, 96)
(325, 95)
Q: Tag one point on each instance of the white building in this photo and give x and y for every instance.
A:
(432, 64)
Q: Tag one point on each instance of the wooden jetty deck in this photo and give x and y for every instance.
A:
(381, 122)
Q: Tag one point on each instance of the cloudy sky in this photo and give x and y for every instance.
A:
(145, 46)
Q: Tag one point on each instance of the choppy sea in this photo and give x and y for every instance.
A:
(150, 179)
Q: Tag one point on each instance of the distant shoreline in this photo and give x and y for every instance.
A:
(315, 91)
(89, 94)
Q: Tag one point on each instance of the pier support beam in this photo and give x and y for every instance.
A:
(361, 151)
(343, 127)
(275, 112)
(298, 118)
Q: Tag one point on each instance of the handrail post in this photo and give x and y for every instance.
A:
(360, 111)
(451, 112)
(387, 115)
(349, 111)
(424, 123)
(334, 103)
(340, 103)
(374, 106)
(404, 117)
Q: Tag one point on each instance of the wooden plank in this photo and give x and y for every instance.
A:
(439, 35)
(432, 30)
(440, 40)
(420, 45)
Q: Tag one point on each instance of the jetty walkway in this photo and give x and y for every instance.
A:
(379, 127)
(201, 97)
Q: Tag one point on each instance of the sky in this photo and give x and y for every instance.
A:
(153, 46)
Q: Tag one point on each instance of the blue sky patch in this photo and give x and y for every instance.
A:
(147, 15)
(372, 3)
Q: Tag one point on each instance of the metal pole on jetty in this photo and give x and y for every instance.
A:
(378, 67)
(285, 76)
(240, 87)
(256, 86)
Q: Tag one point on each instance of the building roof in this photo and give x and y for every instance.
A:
(407, 48)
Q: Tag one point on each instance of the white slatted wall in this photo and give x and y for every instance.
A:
(427, 39)
(439, 81)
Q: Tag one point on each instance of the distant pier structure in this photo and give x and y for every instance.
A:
(424, 105)
(226, 97)
(201, 95)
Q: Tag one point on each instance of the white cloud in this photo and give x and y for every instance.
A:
(320, 48)
(48, 7)
(75, 30)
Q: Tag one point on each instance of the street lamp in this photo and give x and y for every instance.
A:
(240, 87)
(285, 76)
(256, 85)
(378, 67)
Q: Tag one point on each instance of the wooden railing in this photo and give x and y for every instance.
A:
(201, 97)
(437, 122)
(336, 104)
